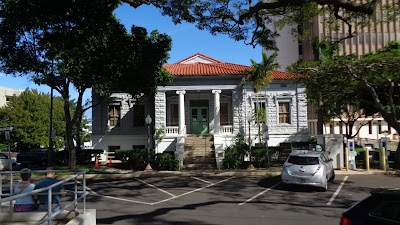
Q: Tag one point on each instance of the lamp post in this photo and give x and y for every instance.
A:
(148, 121)
(249, 119)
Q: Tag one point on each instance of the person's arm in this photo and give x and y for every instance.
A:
(62, 192)
(35, 197)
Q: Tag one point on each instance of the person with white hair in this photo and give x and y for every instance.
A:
(24, 204)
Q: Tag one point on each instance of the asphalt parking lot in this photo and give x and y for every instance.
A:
(226, 200)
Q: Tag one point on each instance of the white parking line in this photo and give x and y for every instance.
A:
(88, 188)
(205, 181)
(255, 196)
(115, 198)
(166, 192)
(125, 200)
(190, 192)
(337, 191)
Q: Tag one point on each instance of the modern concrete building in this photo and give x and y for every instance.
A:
(7, 93)
(368, 39)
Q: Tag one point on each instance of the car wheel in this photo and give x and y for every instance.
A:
(332, 176)
(325, 187)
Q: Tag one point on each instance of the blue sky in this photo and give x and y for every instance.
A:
(186, 40)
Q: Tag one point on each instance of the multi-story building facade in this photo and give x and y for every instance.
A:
(7, 93)
(367, 39)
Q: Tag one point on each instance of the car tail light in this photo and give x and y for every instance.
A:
(344, 220)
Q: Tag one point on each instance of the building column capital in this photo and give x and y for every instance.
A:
(181, 92)
(216, 91)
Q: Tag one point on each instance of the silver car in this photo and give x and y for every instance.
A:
(311, 168)
(7, 163)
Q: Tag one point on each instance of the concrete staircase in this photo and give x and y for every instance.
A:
(199, 153)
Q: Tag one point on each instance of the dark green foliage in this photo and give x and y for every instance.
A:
(235, 153)
(166, 161)
(256, 22)
(260, 156)
(79, 44)
(136, 159)
(29, 114)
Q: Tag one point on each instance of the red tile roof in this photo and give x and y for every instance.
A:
(213, 67)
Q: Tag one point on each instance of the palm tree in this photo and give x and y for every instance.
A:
(261, 75)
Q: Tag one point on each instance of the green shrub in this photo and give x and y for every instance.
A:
(135, 159)
(259, 156)
(166, 161)
(232, 159)
(122, 154)
(235, 153)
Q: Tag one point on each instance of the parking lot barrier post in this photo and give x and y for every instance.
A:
(383, 157)
(347, 158)
(367, 159)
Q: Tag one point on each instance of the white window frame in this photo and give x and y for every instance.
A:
(256, 100)
(284, 100)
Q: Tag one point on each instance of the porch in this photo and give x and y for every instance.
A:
(195, 112)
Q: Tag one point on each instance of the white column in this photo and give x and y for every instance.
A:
(181, 110)
(217, 114)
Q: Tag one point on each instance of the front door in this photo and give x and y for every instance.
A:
(199, 120)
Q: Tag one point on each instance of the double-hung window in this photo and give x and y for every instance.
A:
(114, 115)
(174, 112)
(284, 111)
(224, 113)
(259, 110)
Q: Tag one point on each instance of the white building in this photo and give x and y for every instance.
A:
(7, 93)
(205, 99)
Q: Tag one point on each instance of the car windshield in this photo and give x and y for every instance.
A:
(303, 160)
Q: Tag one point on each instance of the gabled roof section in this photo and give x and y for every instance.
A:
(202, 65)
(198, 57)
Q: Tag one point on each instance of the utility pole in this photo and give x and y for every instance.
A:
(50, 150)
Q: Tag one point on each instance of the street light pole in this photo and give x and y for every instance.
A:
(50, 150)
(148, 121)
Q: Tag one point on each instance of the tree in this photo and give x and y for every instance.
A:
(260, 75)
(29, 114)
(81, 45)
(253, 21)
(336, 94)
(374, 80)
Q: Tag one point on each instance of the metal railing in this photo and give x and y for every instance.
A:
(10, 197)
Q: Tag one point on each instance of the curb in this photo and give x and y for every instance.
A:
(219, 173)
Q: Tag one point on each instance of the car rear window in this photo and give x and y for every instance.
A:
(303, 160)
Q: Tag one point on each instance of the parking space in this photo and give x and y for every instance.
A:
(227, 200)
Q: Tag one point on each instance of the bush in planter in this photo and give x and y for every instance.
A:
(123, 155)
(235, 153)
(166, 161)
(260, 157)
(135, 159)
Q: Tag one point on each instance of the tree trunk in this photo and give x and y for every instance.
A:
(70, 147)
(320, 122)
